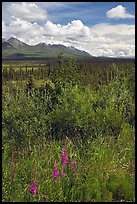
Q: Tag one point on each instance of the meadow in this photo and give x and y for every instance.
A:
(68, 133)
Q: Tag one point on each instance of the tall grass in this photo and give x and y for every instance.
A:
(104, 171)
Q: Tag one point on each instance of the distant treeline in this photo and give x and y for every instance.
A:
(40, 60)
(89, 71)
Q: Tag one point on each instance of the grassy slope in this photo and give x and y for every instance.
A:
(38, 52)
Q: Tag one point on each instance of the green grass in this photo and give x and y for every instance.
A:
(104, 172)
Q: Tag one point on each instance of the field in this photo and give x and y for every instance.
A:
(68, 131)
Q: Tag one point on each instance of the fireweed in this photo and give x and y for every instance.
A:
(62, 173)
(73, 164)
(55, 174)
(64, 161)
(33, 188)
(64, 158)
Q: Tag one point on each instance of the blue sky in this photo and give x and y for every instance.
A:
(89, 12)
(107, 27)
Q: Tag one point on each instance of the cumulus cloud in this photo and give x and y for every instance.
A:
(119, 12)
(27, 11)
(102, 39)
(21, 29)
(74, 28)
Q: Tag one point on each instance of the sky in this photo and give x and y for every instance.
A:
(99, 28)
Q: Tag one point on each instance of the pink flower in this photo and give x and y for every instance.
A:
(33, 188)
(73, 164)
(55, 174)
(62, 174)
(64, 158)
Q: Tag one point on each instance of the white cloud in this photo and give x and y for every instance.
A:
(74, 28)
(117, 38)
(99, 40)
(3, 28)
(106, 28)
(22, 29)
(119, 12)
(27, 11)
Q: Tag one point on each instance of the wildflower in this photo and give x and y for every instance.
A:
(55, 174)
(33, 188)
(73, 164)
(62, 174)
(64, 158)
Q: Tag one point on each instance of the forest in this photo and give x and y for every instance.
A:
(68, 131)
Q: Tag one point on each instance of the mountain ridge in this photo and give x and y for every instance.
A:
(16, 43)
(16, 48)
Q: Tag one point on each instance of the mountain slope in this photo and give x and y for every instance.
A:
(17, 43)
(3, 40)
(6, 45)
(18, 49)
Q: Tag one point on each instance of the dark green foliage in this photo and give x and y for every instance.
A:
(75, 110)
(30, 85)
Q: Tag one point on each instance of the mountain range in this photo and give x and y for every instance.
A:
(16, 49)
